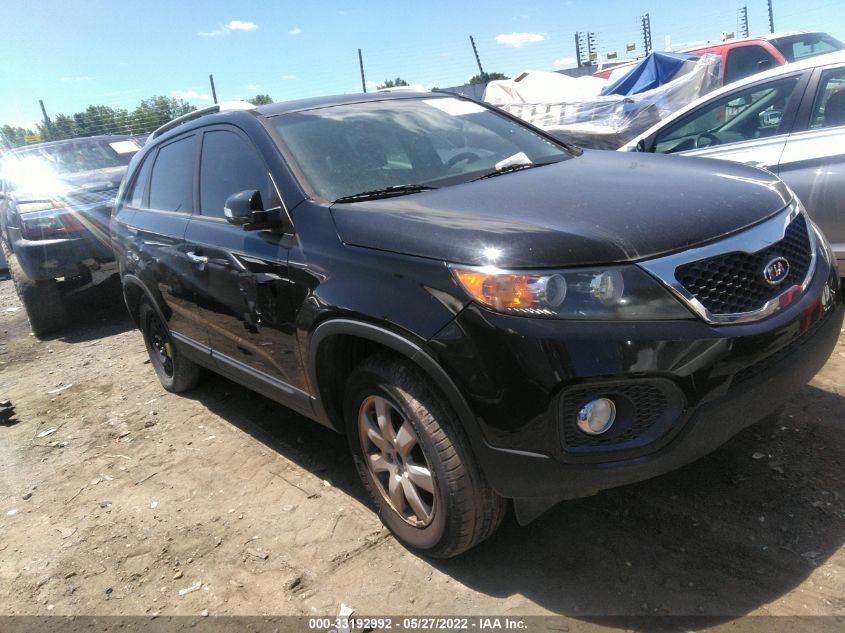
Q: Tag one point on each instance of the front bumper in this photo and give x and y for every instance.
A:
(62, 257)
(515, 373)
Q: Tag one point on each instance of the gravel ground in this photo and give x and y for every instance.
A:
(119, 498)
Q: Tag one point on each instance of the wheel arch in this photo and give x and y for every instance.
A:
(323, 350)
(134, 290)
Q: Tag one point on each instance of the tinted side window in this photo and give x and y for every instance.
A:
(172, 183)
(829, 107)
(745, 61)
(229, 164)
(135, 197)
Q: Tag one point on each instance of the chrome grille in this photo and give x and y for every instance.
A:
(724, 282)
(733, 283)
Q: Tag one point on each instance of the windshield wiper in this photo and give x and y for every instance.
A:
(387, 192)
(508, 169)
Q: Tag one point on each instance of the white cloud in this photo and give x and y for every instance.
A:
(240, 25)
(518, 40)
(191, 95)
(233, 25)
(77, 78)
(295, 31)
(253, 86)
(290, 77)
(564, 62)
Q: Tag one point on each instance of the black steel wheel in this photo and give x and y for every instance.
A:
(175, 372)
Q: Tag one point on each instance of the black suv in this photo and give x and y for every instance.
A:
(486, 312)
(55, 202)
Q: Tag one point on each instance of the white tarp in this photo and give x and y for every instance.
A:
(571, 108)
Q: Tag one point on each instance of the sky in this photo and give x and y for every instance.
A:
(75, 53)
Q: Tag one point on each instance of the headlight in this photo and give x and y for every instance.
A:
(606, 293)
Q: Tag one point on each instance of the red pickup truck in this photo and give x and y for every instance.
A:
(741, 58)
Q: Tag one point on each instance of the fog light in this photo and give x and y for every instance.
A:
(597, 416)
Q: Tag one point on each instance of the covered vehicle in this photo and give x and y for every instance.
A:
(612, 114)
(790, 120)
(55, 202)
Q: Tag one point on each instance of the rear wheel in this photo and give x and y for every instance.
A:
(415, 460)
(42, 300)
(175, 372)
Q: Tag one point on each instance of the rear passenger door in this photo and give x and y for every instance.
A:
(243, 287)
(162, 198)
(813, 162)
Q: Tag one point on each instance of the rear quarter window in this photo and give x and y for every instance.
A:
(136, 195)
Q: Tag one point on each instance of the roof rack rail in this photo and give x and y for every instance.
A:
(225, 106)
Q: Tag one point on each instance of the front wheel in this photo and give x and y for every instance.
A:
(415, 460)
(175, 372)
(42, 300)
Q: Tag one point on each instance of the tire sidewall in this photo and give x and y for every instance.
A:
(370, 383)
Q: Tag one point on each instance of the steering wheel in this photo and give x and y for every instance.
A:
(470, 157)
(714, 140)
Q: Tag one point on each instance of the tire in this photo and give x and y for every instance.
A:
(42, 300)
(461, 509)
(175, 372)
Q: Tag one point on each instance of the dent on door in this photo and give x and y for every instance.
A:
(244, 299)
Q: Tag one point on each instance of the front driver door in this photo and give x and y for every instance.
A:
(748, 125)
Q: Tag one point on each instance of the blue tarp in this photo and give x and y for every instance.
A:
(654, 70)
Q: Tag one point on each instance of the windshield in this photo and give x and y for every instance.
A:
(797, 47)
(64, 159)
(347, 149)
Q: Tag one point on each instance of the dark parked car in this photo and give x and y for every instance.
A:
(55, 202)
(486, 312)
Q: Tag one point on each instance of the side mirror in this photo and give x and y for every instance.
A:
(241, 207)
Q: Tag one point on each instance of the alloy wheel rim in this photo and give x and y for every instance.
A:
(396, 462)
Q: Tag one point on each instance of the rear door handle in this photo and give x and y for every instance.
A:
(199, 260)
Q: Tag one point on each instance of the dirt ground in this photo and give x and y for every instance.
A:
(119, 498)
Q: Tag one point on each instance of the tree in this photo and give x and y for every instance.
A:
(258, 100)
(96, 120)
(393, 83)
(483, 78)
(14, 136)
(154, 112)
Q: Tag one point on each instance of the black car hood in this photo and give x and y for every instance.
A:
(80, 186)
(602, 207)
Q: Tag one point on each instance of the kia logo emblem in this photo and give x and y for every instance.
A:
(776, 271)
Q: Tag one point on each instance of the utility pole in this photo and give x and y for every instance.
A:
(646, 22)
(477, 58)
(48, 126)
(213, 89)
(771, 18)
(743, 21)
(361, 66)
(578, 48)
